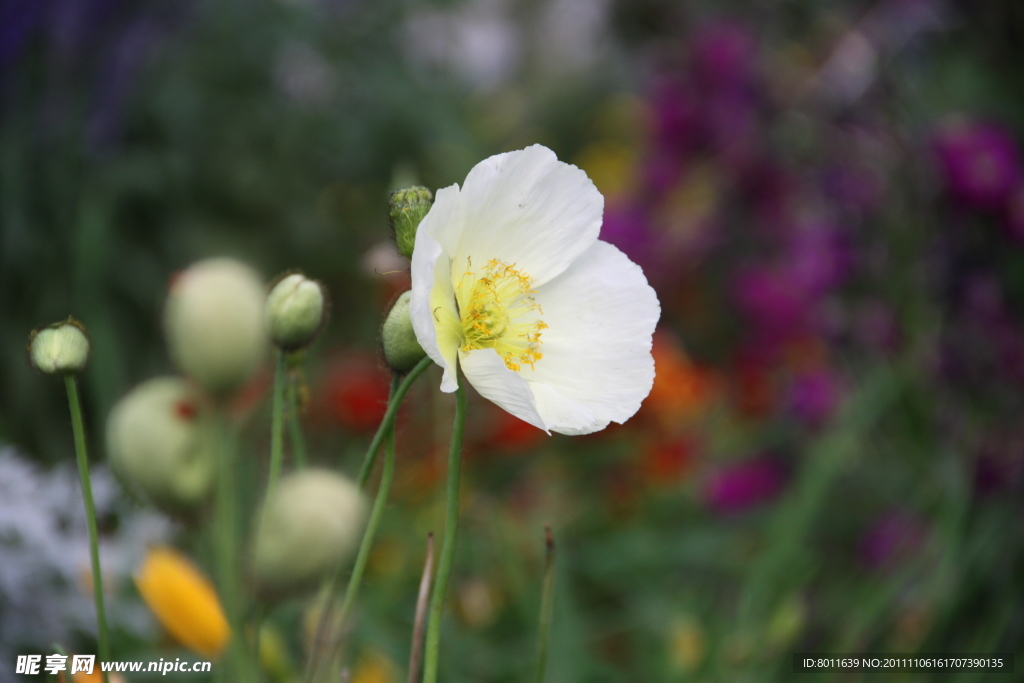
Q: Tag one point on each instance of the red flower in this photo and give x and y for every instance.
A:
(355, 392)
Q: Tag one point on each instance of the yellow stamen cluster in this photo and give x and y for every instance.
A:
(497, 311)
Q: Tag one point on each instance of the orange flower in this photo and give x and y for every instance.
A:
(682, 391)
(669, 461)
(184, 601)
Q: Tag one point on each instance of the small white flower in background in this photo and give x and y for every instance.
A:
(45, 589)
(512, 284)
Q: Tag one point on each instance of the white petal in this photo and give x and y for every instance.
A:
(601, 314)
(444, 222)
(525, 208)
(561, 414)
(432, 302)
(488, 374)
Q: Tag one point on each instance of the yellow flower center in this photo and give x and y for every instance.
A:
(497, 311)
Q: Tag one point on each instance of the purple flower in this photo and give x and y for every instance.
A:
(893, 538)
(729, 128)
(856, 187)
(818, 258)
(674, 117)
(772, 299)
(740, 486)
(629, 229)
(814, 396)
(723, 55)
(980, 163)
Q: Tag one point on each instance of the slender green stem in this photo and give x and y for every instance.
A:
(226, 542)
(387, 475)
(547, 602)
(399, 389)
(451, 529)
(277, 421)
(294, 427)
(420, 620)
(78, 427)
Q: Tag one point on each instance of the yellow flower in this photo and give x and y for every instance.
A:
(686, 645)
(374, 668)
(183, 600)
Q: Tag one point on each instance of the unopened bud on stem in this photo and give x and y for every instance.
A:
(162, 444)
(60, 349)
(214, 323)
(401, 349)
(295, 312)
(311, 521)
(406, 208)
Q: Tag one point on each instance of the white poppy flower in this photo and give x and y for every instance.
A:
(510, 282)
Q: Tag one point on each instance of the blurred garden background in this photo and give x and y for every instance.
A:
(827, 197)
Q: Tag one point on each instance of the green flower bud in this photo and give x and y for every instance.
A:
(60, 349)
(401, 349)
(406, 208)
(214, 323)
(162, 444)
(295, 311)
(311, 521)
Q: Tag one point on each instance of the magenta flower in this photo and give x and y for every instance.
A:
(980, 163)
(814, 396)
(740, 486)
(772, 299)
(724, 54)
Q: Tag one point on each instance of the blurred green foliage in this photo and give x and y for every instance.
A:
(140, 137)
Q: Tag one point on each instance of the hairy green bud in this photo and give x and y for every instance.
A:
(214, 321)
(402, 350)
(162, 444)
(295, 312)
(406, 208)
(310, 523)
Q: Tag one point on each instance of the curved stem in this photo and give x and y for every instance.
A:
(387, 475)
(399, 389)
(82, 456)
(277, 422)
(451, 529)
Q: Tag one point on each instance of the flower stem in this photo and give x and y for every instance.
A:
(78, 427)
(294, 427)
(547, 602)
(399, 388)
(386, 477)
(226, 542)
(416, 650)
(398, 391)
(277, 422)
(366, 545)
(451, 529)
